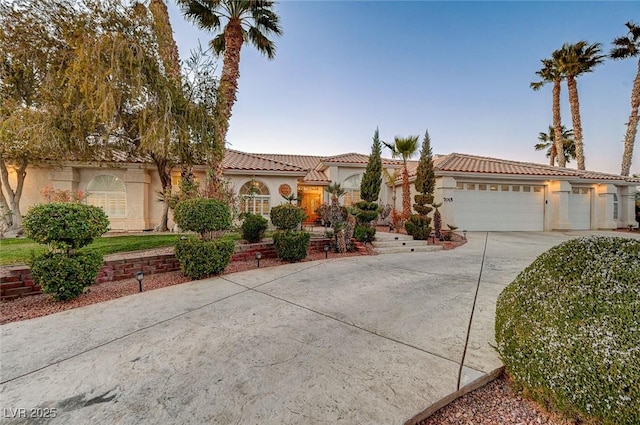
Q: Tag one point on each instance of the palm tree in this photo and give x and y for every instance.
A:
(551, 74)
(405, 148)
(574, 60)
(547, 141)
(628, 47)
(236, 22)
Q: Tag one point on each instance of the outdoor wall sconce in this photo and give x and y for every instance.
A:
(258, 257)
(139, 277)
(464, 232)
(366, 238)
(326, 251)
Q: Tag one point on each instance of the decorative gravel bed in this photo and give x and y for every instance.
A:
(493, 404)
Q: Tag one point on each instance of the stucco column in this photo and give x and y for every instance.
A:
(445, 194)
(137, 182)
(65, 178)
(628, 206)
(604, 206)
(559, 204)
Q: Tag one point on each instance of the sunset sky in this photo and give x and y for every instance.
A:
(459, 69)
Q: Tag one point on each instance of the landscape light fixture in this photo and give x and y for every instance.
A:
(326, 251)
(258, 257)
(139, 277)
(464, 232)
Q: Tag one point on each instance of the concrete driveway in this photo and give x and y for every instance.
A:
(361, 340)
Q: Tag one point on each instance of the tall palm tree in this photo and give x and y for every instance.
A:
(573, 61)
(547, 141)
(405, 148)
(549, 73)
(629, 47)
(236, 22)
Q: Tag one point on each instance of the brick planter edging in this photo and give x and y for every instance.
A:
(16, 281)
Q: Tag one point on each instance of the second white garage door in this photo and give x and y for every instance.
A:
(499, 207)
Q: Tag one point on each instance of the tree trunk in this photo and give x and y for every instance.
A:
(632, 126)
(164, 172)
(226, 95)
(557, 126)
(575, 118)
(14, 215)
(552, 154)
(406, 194)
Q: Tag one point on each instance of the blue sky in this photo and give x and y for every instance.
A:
(459, 69)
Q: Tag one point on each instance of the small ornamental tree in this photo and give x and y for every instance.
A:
(290, 245)
(418, 225)
(367, 210)
(64, 272)
(253, 227)
(203, 256)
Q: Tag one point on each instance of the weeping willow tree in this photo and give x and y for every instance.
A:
(106, 76)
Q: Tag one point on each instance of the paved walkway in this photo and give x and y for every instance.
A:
(360, 340)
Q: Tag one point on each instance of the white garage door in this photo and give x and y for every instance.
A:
(580, 208)
(501, 207)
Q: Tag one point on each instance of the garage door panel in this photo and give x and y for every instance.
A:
(499, 210)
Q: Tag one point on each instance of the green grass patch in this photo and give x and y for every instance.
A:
(19, 251)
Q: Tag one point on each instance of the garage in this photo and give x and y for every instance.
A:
(580, 208)
(480, 206)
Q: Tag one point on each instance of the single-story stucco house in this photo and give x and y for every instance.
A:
(476, 193)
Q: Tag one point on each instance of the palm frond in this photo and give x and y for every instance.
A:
(217, 44)
(261, 43)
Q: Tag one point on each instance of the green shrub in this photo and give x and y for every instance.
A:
(65, 276)
(65, 226)
(287, 216)
(418, 227)
(199, 259)
(291, 246)
(202, 216)
(362, 230)
(567, 329)
(253, 227)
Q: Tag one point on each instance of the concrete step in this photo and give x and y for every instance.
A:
(408, 249)
(383, 236)
(385, 243)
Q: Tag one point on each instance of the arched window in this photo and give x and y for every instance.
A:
(109, 193)
(615, 206)
(254, 198)
(351, 187)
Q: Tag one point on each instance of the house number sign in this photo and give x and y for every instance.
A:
(448, 199)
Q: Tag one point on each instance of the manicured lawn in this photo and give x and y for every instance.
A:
(18, 251)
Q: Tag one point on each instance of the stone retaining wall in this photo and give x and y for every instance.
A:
(16, 281)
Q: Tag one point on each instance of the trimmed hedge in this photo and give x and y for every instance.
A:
(362, 230)
(291, 246)
(253, 227)
(199, 259)
(287, 216)
(202, 215)
(65, 226)
(65, 276)
(568, 329)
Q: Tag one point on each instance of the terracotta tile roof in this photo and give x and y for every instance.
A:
(462, 163)
(316, 176)
(356, 158)
(306, 162)
(242, 161)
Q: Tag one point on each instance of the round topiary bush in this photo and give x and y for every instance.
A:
(568, 329)
(202, 216)
(291, 246)
(65, 276)
(287, 216)
(199, 259)
(65, 226)
(253, 227)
